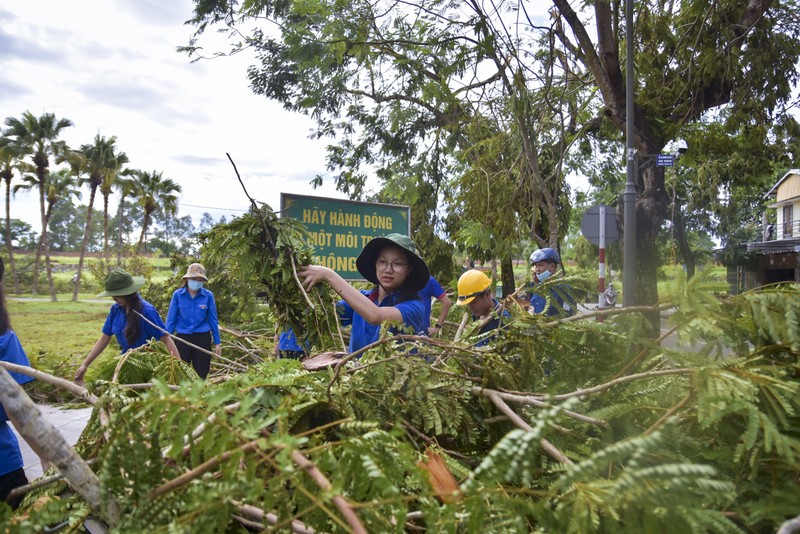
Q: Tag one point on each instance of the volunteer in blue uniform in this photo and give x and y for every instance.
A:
(475, 292)
(125, 320)
(289, 347)
(192, 316)
(398, 272)
(544, 263)
(12, 472)
(433, 289)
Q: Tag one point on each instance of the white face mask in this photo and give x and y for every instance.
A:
(544, 275)
(195, 285)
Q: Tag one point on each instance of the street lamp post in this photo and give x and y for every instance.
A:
(629, 196)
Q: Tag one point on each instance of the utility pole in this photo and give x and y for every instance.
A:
(629, 196)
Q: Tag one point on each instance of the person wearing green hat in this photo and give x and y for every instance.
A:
(398, 272)
(132, 320)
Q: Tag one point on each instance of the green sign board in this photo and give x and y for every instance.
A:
(340, 228)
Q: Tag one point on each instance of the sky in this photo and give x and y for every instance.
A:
(111, 67)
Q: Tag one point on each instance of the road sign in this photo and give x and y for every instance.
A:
(665, 160)
(339, 229)
(590, 224)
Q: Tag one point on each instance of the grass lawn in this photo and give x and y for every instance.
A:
(57, 336)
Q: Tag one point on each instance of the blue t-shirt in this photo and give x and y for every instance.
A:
(11, 351)
(116, 321)
(433, 289)
(493, 324)
(561, 301)
(187, 315)
(288, 342)
(362, 333)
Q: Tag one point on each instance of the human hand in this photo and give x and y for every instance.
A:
(313, 274)
(433, 330)
(79, 375)
(218, 350)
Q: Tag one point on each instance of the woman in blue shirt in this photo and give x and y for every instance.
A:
(12, 472)
(125, 320)
(392, 264)
(192, 316)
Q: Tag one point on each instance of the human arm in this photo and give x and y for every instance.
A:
(213, 322)
(97, 349)
(166, 339)
(446, 305)
(361, 304)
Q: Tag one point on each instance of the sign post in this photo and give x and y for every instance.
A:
(598, 226)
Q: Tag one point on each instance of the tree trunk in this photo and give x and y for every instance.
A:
(119, 229)
(9, 246)
(105, 226)
(46, 250)
(507, 272)
(651, 207)
(145, 223)
(48, 443)
(679, 227)
(84, 244)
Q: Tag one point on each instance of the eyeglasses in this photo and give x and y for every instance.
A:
(396, 265)
(462, 298)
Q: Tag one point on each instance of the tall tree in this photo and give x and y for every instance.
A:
(9, 159)
(409, 89)
(38, 138)
(156, 195)
(128, 186)
(730, 63)
(96, 161)
(110, 179)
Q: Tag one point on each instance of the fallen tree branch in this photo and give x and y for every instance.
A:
(533, 401)
(48, 442)
(72, 387)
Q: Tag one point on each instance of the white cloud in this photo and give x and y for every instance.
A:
(112, 68)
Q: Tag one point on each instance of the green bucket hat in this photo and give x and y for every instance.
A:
(365, 263)
(120, 283)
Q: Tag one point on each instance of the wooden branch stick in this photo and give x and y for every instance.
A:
(533, 401)
(300, 284)
(461, 327)
(340, 502)
(621, 380)
(72, 387)
(201, 469)
(257, 514)
(668, 414)
(48, 442)
(40, 482)
(607, 312)
(551, 449)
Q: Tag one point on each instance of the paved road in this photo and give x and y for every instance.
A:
(70, 423)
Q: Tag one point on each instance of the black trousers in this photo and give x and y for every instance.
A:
(201, 362)
(12, 480)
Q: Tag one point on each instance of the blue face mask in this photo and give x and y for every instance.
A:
(194, 285)
(544, 275)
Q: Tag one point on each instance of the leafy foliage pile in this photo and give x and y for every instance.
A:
(261, 251)
(570, 426)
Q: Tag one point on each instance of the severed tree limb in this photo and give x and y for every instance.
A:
(40, 482)
(340, 502)
(533, 401)
(72, 387)
(551, 449)
(790, 527)
(257, 514)
(461, 327)
(621, 380)
(300, 285)
(46, 441)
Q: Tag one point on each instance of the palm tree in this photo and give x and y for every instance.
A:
(156, 195)
(38, 137)
(97, 160)
(128, 186)
(9, 158)
(60, 186)
(109, 182)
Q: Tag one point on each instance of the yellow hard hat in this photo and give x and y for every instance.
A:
(471, 284)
